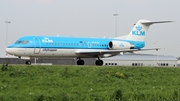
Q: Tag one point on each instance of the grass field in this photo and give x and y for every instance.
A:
(89, 83)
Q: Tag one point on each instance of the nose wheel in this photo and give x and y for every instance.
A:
(28, 62)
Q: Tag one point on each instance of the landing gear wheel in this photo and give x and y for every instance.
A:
(99, 62)
(80, 62)
(28, 62)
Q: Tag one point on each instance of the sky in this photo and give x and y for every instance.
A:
(91, 18)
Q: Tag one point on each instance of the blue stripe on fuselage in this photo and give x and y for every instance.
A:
(70, 42)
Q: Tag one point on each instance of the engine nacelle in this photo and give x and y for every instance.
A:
(115, 45)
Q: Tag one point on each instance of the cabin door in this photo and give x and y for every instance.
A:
(37, 46)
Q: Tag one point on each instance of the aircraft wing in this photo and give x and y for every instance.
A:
(108, 53)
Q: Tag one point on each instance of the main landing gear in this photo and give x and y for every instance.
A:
(97, 62)
(80, 62)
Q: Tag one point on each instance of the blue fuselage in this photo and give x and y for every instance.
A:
(68, 42)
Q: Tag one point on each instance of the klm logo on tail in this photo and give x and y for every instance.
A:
(138, 31)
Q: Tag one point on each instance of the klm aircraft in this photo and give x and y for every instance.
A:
(75, 47)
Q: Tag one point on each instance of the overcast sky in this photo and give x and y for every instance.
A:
(91, 18)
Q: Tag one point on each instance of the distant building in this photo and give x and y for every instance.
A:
(141, 60)
(178, 62)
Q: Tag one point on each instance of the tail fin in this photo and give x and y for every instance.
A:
(140, 29)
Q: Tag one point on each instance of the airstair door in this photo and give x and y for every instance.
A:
(37, 46)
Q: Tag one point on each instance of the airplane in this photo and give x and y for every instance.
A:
(28, 47)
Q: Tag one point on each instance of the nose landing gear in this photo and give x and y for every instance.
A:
(28, 62)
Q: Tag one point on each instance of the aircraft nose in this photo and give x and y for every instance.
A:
(10, 51)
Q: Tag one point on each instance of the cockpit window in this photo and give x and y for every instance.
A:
(22, 42)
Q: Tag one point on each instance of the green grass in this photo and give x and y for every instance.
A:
(89, 83)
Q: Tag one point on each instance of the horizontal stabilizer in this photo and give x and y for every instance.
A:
(153, 22)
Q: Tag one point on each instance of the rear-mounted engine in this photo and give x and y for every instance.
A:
(116, 45)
